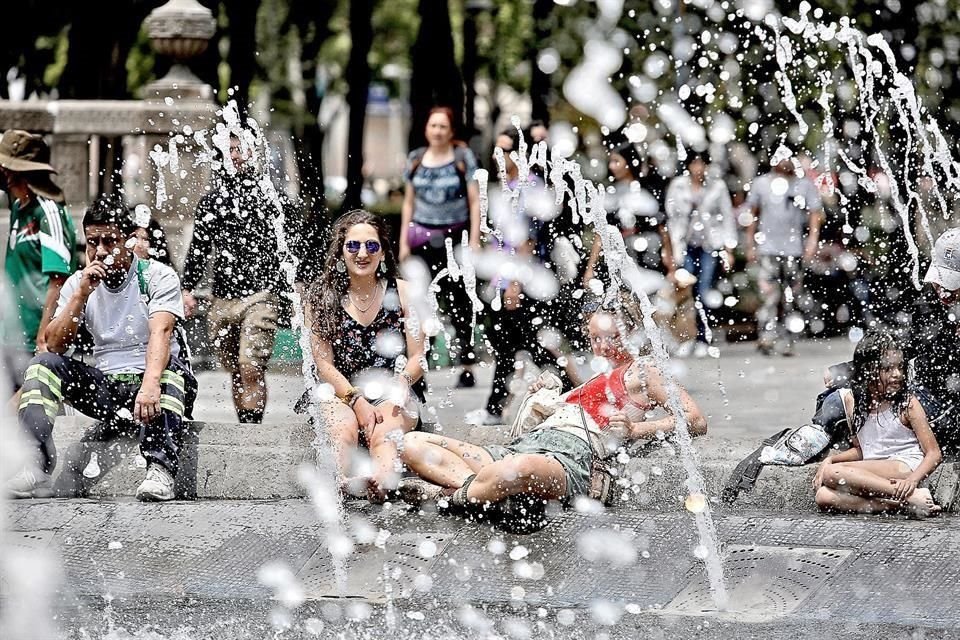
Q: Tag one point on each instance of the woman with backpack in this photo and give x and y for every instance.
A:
(441, 201)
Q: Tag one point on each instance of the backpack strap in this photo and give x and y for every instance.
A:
(417, 160)
(142, 266)
(745, 474)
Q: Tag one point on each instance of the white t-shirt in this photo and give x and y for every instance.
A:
(784, 202)
(119, 318)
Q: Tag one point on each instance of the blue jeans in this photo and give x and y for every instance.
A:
(703, 265)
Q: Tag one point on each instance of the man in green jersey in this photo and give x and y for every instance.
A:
(40, 252)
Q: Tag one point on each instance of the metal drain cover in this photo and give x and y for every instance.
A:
(377, 574)
(762, 582)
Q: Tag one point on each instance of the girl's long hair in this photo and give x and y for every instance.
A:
(328, 290)
(866, 376)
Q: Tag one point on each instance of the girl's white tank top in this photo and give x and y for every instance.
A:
(883, 436)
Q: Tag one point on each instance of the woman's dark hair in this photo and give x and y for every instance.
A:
(693, 154)
(629, 152)
(328, 290)
(109, 209)
(514, 135)
(867, 359)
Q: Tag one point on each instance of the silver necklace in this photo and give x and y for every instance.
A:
(373, 298)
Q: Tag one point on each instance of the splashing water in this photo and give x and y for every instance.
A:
(874, 69)
(322, 481)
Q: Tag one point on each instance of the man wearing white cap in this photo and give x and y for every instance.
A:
(40, 253)
(934, 342)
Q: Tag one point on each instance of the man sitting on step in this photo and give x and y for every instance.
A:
(137, 384)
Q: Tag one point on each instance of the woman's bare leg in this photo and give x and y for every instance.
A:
(868, 486)
(344, 431)
(384, 440)
(441, 460)
(526, 473)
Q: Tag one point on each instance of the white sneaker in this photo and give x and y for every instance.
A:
(482, 417)
(158, 485)
(30, 484)
(701, 350)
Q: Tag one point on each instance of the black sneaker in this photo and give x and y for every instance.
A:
(466, 380)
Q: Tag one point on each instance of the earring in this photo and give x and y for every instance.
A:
(341, 268)
(383, 267)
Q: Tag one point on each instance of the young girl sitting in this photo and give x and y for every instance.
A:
(893, 447)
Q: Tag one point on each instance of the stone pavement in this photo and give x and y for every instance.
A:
(745, 395)
(224, 569)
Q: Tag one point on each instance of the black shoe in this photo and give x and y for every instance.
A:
(466, 380)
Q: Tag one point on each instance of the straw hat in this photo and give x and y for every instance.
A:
(28, 155)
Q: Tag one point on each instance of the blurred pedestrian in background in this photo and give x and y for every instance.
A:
(636, 213)
(442, 201)
(235, 222)
(513, 327)
(703, 232)
(785, 231)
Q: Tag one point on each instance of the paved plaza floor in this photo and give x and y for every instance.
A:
(744, 394)
(263, 568)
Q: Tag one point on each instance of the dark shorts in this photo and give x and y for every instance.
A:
(572, 452)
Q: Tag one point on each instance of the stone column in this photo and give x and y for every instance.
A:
(70, 156)
(176, 105)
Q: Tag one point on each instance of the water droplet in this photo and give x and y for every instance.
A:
(519, 552)
(427, 549)
(695, 503)
(566, 617)
(92, 470)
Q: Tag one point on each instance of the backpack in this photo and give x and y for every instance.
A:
(793, 446)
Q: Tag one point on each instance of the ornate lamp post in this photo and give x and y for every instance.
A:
(182, 30)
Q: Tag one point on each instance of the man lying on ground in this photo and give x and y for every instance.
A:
(553, 460)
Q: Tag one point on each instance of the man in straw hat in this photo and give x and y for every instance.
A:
(40, 253)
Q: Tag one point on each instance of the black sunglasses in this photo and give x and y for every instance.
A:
(353, 246)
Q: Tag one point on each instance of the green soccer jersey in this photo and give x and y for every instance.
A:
(42, 242)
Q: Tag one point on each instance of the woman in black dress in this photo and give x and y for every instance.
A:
(368, 351)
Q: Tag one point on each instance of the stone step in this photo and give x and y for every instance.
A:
(260, 462)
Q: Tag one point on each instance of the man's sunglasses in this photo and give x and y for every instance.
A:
(353, 246)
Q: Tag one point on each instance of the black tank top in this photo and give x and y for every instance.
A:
(359, 348)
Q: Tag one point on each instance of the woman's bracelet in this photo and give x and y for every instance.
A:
(406, 376)
(351, 396)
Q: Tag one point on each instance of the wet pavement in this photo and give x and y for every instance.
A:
(201, 569)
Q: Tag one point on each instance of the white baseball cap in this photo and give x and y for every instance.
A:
(945, 261)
